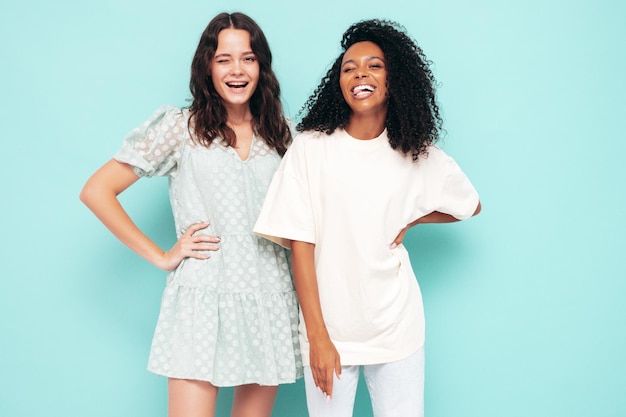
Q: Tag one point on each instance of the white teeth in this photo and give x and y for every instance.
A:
(237, 84)
(363, 89)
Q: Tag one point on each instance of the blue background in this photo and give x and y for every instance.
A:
(524, 303)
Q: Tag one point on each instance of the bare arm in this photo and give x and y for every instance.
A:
(100, 195)
(434, 217)
(324, 358)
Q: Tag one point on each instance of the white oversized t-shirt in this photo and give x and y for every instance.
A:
(351, 198)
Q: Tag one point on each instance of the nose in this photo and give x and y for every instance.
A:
(236, 67)
(360, 73)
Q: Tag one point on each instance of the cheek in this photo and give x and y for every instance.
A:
(346, 96)
(215, 74)
(382, 85)
(255, 74)
(384, 89)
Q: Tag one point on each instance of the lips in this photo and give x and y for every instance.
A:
(363, 90)
(237, 84)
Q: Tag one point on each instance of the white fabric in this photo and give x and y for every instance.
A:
(351, 198)
(396, 389)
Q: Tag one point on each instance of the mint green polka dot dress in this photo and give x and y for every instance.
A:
(231, 319)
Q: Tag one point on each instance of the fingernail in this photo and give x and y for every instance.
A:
(327, 399)
(393, 245)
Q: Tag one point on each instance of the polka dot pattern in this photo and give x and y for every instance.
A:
(231, 319)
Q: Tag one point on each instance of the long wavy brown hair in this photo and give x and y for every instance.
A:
(207, 110)
(413, 120)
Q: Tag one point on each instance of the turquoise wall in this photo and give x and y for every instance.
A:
(524, 303)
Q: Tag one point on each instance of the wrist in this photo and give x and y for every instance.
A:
(159, 259)
(317, 333)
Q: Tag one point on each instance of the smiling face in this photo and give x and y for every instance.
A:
(363, 78)
(234, 68)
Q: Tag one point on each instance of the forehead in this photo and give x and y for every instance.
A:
(233, 39)
(365, 49)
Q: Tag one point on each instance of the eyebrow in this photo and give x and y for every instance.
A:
(369, 58)
(227, 54)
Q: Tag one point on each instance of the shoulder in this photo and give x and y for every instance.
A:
(311, 135)
(434, 155)
(167, 111)
(437, 163)
(305, 147)
(433, 163)
(313, 138)
(174, 114)
(166, 117)
(307, 140)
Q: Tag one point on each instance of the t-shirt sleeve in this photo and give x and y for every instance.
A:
(457, 196)
(153, 148)
(287, 212)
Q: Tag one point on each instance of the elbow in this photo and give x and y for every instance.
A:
(87, 194)
(84, 195)
(478, 209)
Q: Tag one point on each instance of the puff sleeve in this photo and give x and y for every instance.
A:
(154, 147)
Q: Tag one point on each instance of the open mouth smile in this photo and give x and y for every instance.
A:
(237, 84)
(363, 90)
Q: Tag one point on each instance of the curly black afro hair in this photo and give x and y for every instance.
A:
(413, 120)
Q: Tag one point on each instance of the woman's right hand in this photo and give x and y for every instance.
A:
(324, 362)
(100, 194)
(323, 356)
(189, 246)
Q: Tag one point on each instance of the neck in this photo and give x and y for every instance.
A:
(366, 127)
(239, 115)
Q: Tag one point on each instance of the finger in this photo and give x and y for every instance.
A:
(320, 381)
(199, 246)
(193, 249)
(398, 240)
(329, 383)
(400, 237)
(338, 367)
(207, 238)
(197, 255)
(195, 227)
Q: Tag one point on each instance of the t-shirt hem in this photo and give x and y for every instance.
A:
(472, 205)
(285, 239)
(369, 358)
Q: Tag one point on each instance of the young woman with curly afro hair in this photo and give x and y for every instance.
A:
(413, 121)
(364, 169)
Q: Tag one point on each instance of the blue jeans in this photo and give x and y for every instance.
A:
(396, 389)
